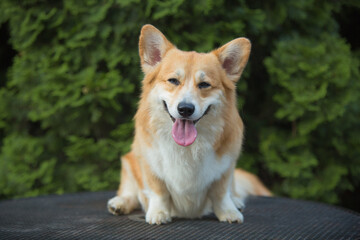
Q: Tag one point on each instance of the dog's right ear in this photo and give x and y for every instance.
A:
(152, 47)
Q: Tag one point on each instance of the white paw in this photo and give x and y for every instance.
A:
(119, 205)
(230, 216)
(158, 217)
(239, 203)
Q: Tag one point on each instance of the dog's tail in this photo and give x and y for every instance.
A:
(249, 184)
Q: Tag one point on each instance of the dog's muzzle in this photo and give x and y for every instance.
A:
(184, 115)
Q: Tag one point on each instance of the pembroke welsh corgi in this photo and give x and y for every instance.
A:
(188, 135)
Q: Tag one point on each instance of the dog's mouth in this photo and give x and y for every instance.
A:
(184, 131)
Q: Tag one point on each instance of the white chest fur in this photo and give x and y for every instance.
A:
(187, 172)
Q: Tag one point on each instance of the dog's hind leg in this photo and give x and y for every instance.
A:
(130, 185)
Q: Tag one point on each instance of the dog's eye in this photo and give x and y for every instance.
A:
(204, 85)
(174, 81)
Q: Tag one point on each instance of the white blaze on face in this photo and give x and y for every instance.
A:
(184, 131)
(188, 94)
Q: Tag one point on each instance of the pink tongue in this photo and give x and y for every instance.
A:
(184, 132)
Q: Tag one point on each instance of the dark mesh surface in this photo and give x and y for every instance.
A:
(84, 216)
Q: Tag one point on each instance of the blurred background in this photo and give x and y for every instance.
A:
(70, 80)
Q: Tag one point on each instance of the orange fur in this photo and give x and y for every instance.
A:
(256, 187)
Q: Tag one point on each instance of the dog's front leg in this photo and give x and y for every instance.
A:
(159, 208)
(220, 195)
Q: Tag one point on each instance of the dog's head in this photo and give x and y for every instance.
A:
(189, 85)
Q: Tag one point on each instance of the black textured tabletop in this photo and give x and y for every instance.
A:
(84, 216)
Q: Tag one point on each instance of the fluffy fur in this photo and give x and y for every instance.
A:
(168, 180)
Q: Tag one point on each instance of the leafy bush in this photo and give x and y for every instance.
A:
(67, 101)
(315, 85)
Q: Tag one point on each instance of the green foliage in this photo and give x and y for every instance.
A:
(314, 79)
(67, 102)
(316, 82)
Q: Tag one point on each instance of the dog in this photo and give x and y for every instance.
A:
(188, 135)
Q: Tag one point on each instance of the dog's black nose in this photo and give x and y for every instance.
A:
(186, 109)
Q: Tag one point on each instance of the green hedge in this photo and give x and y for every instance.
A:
(67, 101)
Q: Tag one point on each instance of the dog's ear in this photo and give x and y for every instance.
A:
(233, 57)
(152, 47)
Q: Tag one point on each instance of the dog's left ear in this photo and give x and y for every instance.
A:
(153, 46)
(233, 57)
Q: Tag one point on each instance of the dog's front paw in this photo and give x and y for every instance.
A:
(158, 217)
(239, 203)
(230, 216)
(119, 205)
